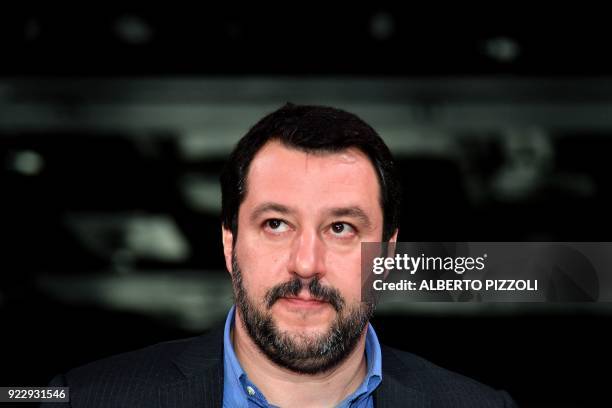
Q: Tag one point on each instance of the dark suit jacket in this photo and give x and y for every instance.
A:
(189, 373)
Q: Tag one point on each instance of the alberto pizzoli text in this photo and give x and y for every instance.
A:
(458, 285)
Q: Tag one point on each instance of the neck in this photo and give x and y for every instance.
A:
(283, 387)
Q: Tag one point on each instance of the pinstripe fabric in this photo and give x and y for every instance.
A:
(189, 373)
(411, 381)
(185, 373)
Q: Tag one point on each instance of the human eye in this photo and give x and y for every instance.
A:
(275, 226)
(342, 230)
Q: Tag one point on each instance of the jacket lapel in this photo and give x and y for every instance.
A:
(400, 386)
(201, 362)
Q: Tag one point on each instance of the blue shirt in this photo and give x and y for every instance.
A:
(240, 392)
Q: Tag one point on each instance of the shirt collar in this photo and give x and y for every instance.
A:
(373, 376)
(233, 391)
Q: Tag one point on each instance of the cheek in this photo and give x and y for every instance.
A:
(261, 269)
(344, 273)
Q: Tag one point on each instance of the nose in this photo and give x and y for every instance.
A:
(308, 255)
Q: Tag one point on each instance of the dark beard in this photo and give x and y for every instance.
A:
(310, 355)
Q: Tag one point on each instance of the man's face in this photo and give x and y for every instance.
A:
(296, 261)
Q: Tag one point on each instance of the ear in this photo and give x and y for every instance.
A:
(394, 236)
(392, 242)
(228, 247)
(391, 249)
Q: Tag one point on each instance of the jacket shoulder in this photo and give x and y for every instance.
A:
(148, 363)
(134, 378)
(442, 387)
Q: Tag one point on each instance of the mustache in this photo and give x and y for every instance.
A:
(316, 290)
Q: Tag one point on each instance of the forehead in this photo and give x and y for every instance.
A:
(313, 180)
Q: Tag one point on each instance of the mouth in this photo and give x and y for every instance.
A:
(303, 302)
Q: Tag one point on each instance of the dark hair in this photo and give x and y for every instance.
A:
(311, 129)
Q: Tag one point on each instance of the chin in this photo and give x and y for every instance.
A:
(290, 312)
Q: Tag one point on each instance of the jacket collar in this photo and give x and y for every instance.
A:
(201, 362)
(401, 386)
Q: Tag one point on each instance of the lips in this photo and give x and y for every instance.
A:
(304, 302)
(304, 298)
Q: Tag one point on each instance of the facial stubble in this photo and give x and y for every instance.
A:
(299, 352)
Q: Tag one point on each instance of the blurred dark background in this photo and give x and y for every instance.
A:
(115, 123)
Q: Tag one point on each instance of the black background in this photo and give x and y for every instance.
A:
(545, 357)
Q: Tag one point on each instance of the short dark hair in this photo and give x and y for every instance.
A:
(312, 129)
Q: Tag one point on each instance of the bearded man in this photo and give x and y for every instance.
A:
(300, 192)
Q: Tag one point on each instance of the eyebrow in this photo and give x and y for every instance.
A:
(265, 207)
(353, 212)
(336, 212)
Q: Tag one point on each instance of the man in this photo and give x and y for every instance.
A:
(300, 192)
